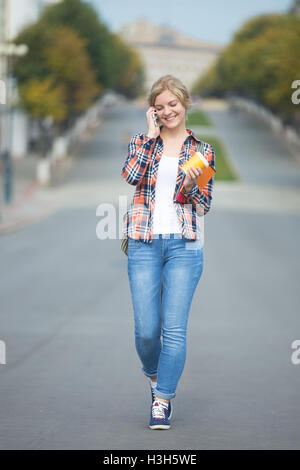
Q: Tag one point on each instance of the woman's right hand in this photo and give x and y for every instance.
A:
(153, 129)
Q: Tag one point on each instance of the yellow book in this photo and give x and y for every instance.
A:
(199, 161)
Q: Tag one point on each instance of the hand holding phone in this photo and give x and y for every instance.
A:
(152, 121)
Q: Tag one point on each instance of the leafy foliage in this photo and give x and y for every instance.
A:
(261, 63)
(72, 59)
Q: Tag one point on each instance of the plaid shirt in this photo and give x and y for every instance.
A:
(140, 170)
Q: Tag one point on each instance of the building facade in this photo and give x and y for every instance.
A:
(295, 8)
(164, 50)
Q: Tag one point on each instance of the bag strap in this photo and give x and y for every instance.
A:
(200, 146)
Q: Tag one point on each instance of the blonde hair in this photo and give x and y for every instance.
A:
(173, 84)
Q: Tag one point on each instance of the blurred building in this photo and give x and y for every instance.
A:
(165, 50)
(295, 9)
(16, 14)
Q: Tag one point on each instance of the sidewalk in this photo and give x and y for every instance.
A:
(25, 207)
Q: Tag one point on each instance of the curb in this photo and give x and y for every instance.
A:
(21, 222)
(25, 195)
(17, 225)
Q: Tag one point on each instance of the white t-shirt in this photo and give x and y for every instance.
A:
(165, 219)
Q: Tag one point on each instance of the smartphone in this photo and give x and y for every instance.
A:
(155, 118)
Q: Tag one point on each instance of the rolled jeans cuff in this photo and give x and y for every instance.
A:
(167, 396)
(149, 375)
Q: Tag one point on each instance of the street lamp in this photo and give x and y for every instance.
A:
(8, 51)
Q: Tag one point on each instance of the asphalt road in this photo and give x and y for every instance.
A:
(72, 378)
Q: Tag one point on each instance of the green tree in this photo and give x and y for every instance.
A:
(84, 19)
(126, 68)
(285, 64)
(33, 65)
(75, 73)
(70, 86)
(261, 63)
(110, 57)
(72, 51)
(42, 98)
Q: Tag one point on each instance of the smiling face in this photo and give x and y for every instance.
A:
(170, 110)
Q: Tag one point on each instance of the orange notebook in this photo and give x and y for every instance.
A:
(197, 160)
(203, 179)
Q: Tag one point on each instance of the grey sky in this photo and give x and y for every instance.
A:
(209, 20)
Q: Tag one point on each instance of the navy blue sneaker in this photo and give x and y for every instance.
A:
(170, 409)
(159, 416)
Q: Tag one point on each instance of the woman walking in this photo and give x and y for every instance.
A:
(165, 253)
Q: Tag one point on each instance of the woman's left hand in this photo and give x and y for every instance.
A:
(191, 178)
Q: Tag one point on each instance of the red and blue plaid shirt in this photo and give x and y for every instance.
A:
(140, 170)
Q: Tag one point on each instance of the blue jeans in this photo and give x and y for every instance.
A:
(163, 276)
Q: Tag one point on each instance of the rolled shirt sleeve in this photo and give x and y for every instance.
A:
(204, 197)
(138, 157)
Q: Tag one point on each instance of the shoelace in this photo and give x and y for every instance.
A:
(153, 394)
(158, 410)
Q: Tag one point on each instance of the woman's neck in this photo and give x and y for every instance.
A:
(173, 134)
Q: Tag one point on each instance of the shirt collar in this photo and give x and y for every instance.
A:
(191, 132)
